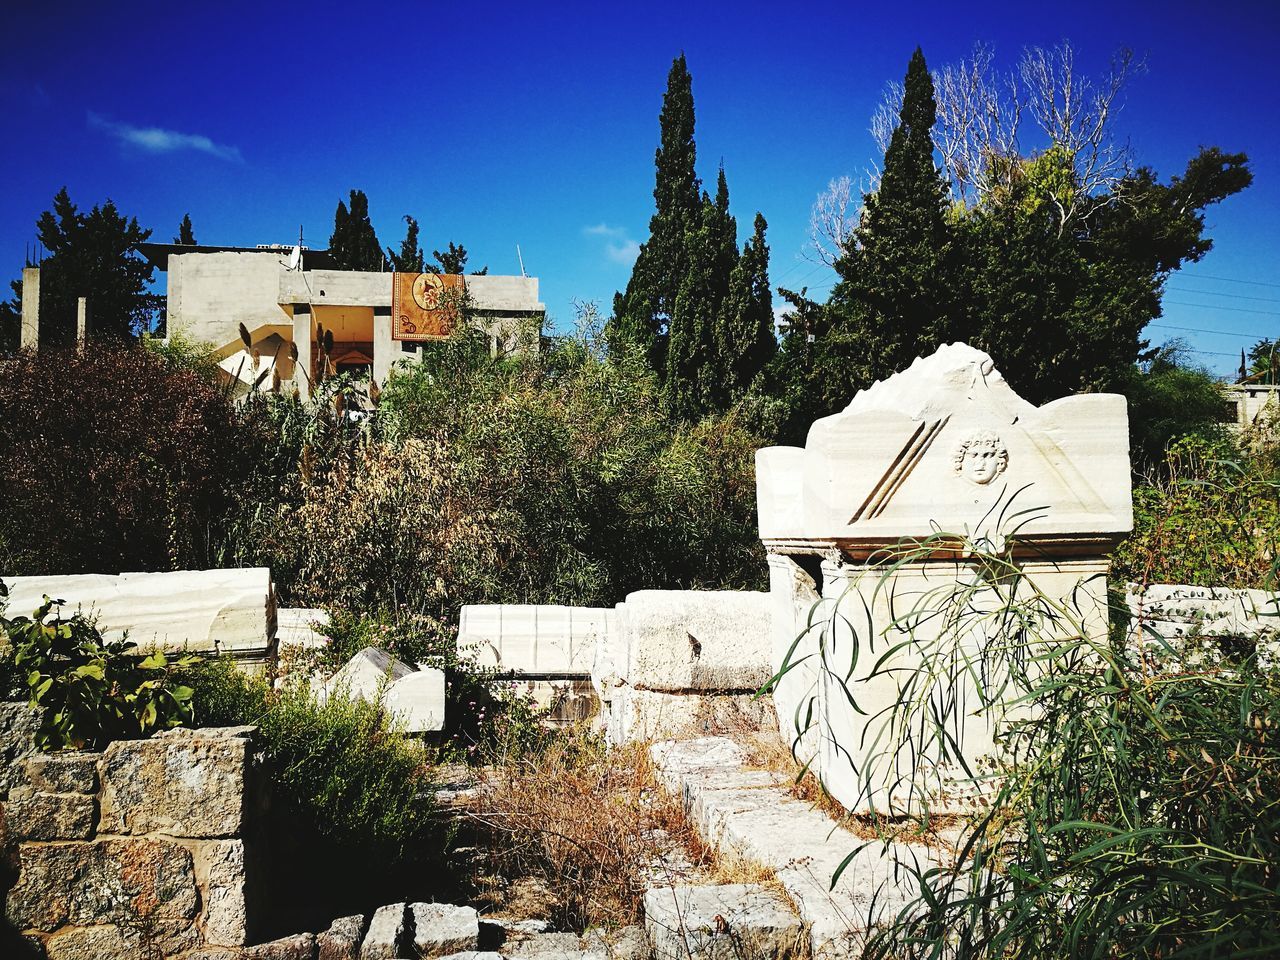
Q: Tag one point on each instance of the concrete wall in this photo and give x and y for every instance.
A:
(211, 294)
(359, 289)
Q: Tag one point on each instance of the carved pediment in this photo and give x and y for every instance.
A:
(946, 445)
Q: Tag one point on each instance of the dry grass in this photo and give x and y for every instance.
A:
(587, 827)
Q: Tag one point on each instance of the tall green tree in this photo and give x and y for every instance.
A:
(895, 297)
(91, 255)
(1062, 312)
(354, 243)
(690, 386)
(409, 259)
(677, 300)
(745, 338)
(185, 235)
(453, 260)
(643, 312)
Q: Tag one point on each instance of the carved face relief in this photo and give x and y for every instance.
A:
(981, 458)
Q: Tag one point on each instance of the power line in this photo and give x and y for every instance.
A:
(1214, 293)
(1210, 306)
(1222, 333)
(1209, 276)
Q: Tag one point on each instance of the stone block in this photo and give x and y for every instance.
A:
(441, 928)
(698, 640)
(795, 622)
(98, 943)
(565, 702)
(220, 612)
(129, 882)
(342, 940)
(386, 937)
(416, 700)
(18, 725)
(66, 772)
(300, 946)
(474, 955)
(543, 641)
(183, 783)
(51, 816)
(737, 921)
(1171, 612)
(366, 675)
(297, 627)
(624, 943)
(220, 874)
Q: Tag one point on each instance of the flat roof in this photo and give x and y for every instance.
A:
(157, 254)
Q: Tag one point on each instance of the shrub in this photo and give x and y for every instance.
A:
(1212, 519)
(93, 691)
(353, 819)
(111, 460)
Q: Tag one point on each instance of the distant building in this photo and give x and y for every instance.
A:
(1253, 403)
(283, 296)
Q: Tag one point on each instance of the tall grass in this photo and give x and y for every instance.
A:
(1135, 806)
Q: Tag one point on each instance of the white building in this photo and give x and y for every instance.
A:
(213, 290)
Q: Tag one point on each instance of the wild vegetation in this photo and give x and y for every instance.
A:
(1142, 818)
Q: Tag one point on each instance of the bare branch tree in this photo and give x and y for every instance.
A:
(977, 123)
(831, 222)
(1076, 114)
(885, 119)
(980, 116)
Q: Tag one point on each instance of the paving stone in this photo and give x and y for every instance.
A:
(727, 922)
(441, 928)
(385, 939)
(544, 945)
(802, 845)
(342, 940)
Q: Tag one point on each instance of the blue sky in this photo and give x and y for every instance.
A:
(504, 124)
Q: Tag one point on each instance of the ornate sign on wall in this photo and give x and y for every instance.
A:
(425, 306)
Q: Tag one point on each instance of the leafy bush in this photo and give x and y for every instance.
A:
(352, 817)
(1170, 398)
(93, 691)
(111, 460)
(1212, 519)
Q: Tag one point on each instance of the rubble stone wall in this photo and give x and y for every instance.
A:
(142, 851)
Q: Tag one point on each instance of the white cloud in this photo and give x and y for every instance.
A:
(618, 247)
(158, 140)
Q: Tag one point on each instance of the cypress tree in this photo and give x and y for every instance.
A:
(892, 302)
(691, 389)
(744, 334)
(185, 233)
(643, 313)
(409, 259)
(354, 244)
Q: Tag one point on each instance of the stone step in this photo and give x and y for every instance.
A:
(752, 814)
